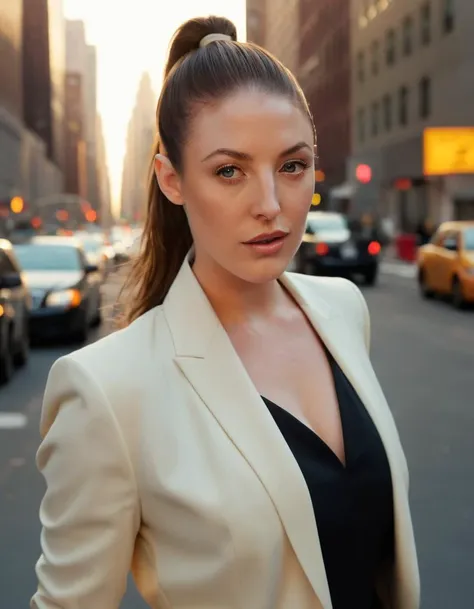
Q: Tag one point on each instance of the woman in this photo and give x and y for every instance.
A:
(231, 445)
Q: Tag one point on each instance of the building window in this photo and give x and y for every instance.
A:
(361, 125)
(425, 24)
(403, 106)
(407, 30)
(425, 97)
(448, 16)
(387, 112)
(360, 66)
(375, 57)
(375, 119)
(390, 48)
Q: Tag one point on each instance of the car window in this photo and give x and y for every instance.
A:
(451, 240)
(326, 223)
(469, 239)
(41, 257)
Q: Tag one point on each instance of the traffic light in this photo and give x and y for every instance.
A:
(17, 205)
(363, 173)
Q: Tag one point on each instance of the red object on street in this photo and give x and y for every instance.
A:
(406, 246)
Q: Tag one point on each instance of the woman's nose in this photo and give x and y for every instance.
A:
(267, 202)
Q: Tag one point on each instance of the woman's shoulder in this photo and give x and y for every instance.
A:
(335, 296)
(337, 292)
(115, 361)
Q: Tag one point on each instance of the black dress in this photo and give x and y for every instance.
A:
(353, 504)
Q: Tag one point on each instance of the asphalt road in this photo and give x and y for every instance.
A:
(423, 353)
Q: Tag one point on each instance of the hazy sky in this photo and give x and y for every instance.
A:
(131, 37)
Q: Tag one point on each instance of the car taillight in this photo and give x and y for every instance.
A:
(374, 248)
(321, 249)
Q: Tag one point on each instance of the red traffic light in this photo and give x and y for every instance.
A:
(363, 173)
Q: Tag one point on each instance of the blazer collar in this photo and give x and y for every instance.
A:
(193, 321)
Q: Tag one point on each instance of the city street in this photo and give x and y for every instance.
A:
(423, 354)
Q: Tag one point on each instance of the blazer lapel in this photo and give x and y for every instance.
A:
(206, 356)
(349, 352)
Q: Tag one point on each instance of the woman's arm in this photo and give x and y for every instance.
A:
(90, 511)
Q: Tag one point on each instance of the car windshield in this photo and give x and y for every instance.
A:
(91, 246)
(39, 257)
(469, 239)
(326, 223)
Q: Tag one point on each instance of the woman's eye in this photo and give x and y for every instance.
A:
(228, 172)
(294, 167)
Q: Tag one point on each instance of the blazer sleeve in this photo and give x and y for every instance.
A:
(89, 513)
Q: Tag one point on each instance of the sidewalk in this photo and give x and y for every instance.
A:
(391, 265)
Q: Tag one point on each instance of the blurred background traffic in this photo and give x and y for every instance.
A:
(391, 87)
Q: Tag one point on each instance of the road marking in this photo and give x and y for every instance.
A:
(407, 271)
(12, 420)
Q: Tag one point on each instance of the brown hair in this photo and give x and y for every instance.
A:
(193, 75)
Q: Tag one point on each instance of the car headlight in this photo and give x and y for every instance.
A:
(64, 298)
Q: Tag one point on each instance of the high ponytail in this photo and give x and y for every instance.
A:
(193, 75)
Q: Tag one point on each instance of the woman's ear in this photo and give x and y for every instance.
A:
(168, 179)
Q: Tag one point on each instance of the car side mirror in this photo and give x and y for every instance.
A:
(91, 268)
(10, 281)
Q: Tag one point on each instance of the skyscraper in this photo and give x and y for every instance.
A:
(141, 131)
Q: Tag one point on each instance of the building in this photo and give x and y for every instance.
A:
(412, 63)
(28, 167)
(105, 211)
(57, 60)
(256, 18)
(81, 61)
(312, 40)
(76, 157)
(43, 73)
(324, 71)
(140, 138)
(274, 24)
(11, 102)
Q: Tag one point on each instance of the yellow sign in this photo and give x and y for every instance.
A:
(448, 151)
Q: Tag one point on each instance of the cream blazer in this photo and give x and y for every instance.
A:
(160, 457)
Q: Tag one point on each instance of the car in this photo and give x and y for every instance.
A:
(95, 249)
(65, 288)
(15, 304)
(330, 248)
(446, 264)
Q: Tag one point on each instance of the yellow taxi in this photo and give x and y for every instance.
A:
(446, 264)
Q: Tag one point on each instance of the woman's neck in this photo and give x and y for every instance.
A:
(236, 301)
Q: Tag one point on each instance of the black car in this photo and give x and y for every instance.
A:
(65, 288)
(330, 248)
(14, 314)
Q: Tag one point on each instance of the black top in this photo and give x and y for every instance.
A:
(353, 504)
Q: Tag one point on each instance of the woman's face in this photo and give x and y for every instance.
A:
(248, 174)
